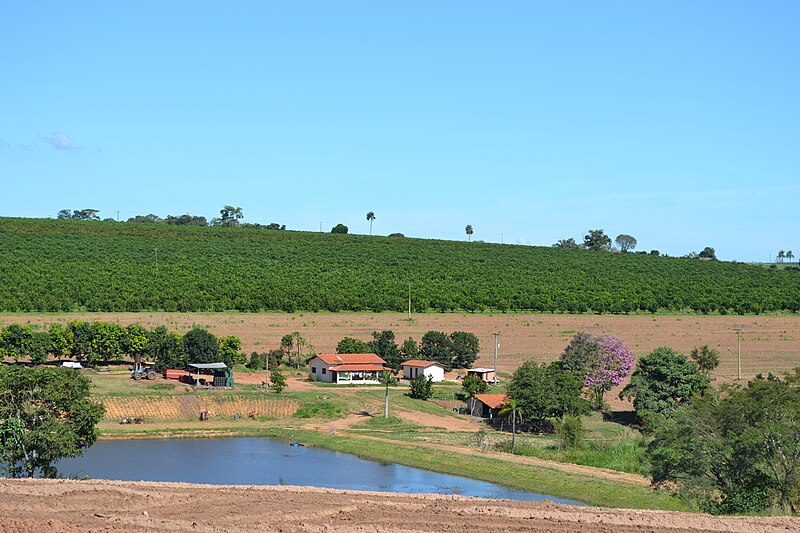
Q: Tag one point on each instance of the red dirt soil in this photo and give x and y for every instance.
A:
(68, 506)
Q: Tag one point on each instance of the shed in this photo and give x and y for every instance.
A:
(488, 375)
(223, 377)
(487, 405)
(415, 367)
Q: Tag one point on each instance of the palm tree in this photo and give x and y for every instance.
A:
(387, 376)
(512, 409)
(468, 229)
(370, 217)
(789, 256)
(781, 255)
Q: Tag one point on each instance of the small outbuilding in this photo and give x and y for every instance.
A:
(429, 369)
(350, 368)
(222, 375)
(486, 374)
(486, 405)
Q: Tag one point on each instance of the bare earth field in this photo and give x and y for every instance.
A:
(769, 343)
(70, 506)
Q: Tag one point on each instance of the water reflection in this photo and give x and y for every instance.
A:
(262, 461)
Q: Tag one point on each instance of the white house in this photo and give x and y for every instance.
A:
(415, 367)
(353, 368)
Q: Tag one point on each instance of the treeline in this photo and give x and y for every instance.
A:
(229, 216)
(66, 265)
(457, 350)
(107, 342)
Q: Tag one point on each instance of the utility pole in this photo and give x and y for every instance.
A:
(266, 366)
(739, 329)
(496, 345)
(409, 302)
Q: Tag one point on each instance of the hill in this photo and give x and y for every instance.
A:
(65, 265)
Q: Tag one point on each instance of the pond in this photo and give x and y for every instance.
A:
(264, 461)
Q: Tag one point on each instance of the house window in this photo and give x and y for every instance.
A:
(324, 371)
(313, 370)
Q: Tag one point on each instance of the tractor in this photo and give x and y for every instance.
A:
(144, 370)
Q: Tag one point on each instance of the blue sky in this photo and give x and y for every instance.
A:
(675, 122)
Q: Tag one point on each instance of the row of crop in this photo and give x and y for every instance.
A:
(65, 265)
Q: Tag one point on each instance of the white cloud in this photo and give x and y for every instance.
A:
(61, 141)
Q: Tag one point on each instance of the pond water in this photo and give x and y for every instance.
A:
(263, 461)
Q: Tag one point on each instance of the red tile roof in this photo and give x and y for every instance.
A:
(355, 367)
(494, 401)
(420, 362)
(345, 358)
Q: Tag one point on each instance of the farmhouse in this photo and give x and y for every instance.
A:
(487, 405)
(415, 367)
(346, 367)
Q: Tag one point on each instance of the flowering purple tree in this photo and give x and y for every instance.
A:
(601, 362)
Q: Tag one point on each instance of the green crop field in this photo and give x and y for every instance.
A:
(64, 265)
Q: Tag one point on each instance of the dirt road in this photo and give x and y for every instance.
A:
(70, 506)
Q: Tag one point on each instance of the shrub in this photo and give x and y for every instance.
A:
(570, 432)
(421, 387)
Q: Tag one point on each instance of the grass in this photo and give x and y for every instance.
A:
(609, 446)
(561, 484)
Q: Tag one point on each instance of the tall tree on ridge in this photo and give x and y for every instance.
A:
(370, 218)
(468, 229)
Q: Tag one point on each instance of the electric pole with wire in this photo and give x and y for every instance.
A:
(738, 328)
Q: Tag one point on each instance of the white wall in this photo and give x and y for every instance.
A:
(437, 372)
(318, 364)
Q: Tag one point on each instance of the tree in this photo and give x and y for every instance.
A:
(612, 366)
(599, 362)
(396, 235)
(135, 341)
(15, 341)
(351, 345)
(789, 256)
(40, 346)
(566, 243)
(46, 415)
(230, 215)
(513, 410)
(387, 376)
(165, 348)
(545, 391)
(409, 349)
(85, 214)
(706, 359)
(473, 385)
(465, 349)
(151, 218)
(340, 228)
(230, 350)
(596, 240)
(663, 380)
(108, 342)
(64, 214)
(625, 242)
(60, 340)
(469, 231)
(278, 381)
(421, 387)
(383, 346)
(436, 346)
(737, 448)
(370, 218)
(299, 341)
(708, 253)
(780, 257)
(201, 346)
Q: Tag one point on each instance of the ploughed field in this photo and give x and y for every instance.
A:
(769, 343)
(72, 506)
